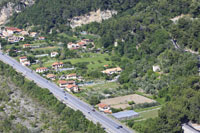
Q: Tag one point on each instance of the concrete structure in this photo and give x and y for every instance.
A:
(189, 129)
(125, 115)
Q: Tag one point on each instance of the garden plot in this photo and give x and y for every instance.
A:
(122, 101)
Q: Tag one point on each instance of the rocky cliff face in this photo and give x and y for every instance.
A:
(9, 8)
(97, 16)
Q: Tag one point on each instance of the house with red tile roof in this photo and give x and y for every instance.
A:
(72, 88)
(112, 71)
(51, 76)
(22, 59)
(57, 65)
(71, 82)
(62, 83)
(41, 70)
(26, 45)
(26, 63)
(41, 38)
(13, 30)
(71, 76)
(103, 107)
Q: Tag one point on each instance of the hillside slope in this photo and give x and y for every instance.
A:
(143, 35)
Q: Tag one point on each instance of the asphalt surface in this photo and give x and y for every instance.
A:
(109, 124)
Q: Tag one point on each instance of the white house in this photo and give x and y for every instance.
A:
(103, 107)
(41, 70)
(156, 68)
(72, 46)
(22, 59)
(54, 54)
(57, 65)
(26, 63)
(112, 70)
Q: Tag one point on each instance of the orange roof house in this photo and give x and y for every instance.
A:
(41, 69)
(22, 59)
(57, 65)
(103, 107)
(71, 76)
(13, 29)
(71, 82)
(51, 76)
(112, 70)
(62, 83)
(72, 88)
(26, 45)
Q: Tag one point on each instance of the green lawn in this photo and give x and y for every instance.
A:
(108, 85)
(95, 60)
(151, 113)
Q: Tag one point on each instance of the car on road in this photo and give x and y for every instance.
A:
(66, 98)
(93, 110)
(118, 127)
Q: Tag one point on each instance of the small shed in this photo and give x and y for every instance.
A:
(124, 115)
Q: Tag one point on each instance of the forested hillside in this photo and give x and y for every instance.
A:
(57, 13)
(140, 36)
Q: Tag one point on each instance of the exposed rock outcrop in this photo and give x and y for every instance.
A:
(7, 10)
(94, 16)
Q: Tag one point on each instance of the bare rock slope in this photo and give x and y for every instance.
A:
(10, 8)
(94, 16)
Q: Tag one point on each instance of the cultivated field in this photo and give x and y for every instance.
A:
(122, 101)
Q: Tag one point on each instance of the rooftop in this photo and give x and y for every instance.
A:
(62, 82)
(13, 29)
(24, 57)
(124, 114)
(41, 68)
(72, 74)
(57, 63)
(51, 76)
(102, 105)
(71, 86)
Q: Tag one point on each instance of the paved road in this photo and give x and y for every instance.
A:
(72, 101)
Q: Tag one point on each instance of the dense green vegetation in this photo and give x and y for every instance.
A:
(57, 13)
(75, 120)
(143, 31)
